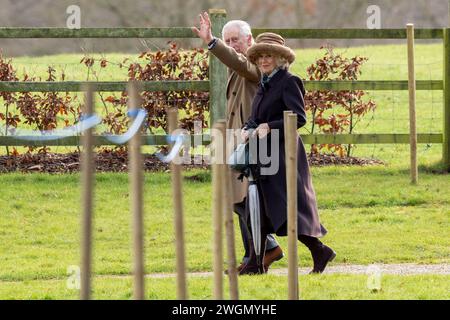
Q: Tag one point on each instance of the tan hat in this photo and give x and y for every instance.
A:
(269, 42)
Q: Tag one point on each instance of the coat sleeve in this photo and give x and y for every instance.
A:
(236, 61)
(293, 99)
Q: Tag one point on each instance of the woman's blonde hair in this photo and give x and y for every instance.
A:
(282, 62)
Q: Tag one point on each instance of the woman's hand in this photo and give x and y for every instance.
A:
(262, 130)
(204, 32)
(244, 135)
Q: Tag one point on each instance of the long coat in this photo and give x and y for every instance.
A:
(243, 79)
(283, 92)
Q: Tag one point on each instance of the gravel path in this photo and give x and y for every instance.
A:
(394, 269)
(399, 269)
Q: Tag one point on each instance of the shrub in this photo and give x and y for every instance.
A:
(335, 112)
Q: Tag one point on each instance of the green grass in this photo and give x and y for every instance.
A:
(268, 287)
(373, 214)
(389, 62)
(385, 62)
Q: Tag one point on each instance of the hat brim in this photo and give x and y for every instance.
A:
(257, 49)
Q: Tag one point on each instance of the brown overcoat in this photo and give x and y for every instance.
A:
(243, 79)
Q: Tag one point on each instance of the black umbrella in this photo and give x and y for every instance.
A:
(244, 160)
(255, 219)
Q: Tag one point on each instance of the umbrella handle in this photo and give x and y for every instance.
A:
(260, 264)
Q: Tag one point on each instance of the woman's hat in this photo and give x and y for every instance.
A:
(272, 43)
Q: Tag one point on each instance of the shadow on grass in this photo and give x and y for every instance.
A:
(438, 168)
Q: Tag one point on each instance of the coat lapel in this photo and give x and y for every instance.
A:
(232, 75)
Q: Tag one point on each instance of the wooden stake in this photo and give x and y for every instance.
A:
(446, 111)
(136, 196)
(87, 182)
(285, 117)
(229, 229)
(412, 104)
(291, 185)
(218, 134)
(172, 115)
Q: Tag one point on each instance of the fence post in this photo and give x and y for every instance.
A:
(136, 195)
(217, 72)
(87, 182)
(446, 131)
(412, 104)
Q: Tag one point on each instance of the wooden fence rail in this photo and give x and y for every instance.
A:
(180, 33)
(204, 85)
(156, 139)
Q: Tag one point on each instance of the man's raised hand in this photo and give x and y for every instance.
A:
(204, 32)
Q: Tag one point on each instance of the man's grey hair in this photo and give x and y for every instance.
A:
(244, 28)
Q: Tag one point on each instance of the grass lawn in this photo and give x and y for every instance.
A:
(269, 287)
(373, 214)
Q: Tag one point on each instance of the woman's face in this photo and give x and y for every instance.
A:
(266, 63)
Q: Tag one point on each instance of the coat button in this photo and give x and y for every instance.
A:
(232, 113)
(234, 93)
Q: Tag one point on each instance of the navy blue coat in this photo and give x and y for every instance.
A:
(285, 92)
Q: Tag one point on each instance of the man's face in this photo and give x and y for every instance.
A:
(233, 38)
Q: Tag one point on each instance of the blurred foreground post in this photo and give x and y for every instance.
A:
(87, 182)
(136, 185)
(290, 127)
(175, 169)
(218, 181)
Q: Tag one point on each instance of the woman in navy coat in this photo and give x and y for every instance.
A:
(279, 91)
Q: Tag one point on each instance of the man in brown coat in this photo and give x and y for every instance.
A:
(243, 80)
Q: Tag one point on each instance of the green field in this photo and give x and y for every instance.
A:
(373, 213)
(270, 287)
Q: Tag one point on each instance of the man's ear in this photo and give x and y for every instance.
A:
(249, 40)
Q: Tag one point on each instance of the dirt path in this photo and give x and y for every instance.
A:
(395, 269)
(392, 269)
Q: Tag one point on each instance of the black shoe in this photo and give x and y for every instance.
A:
(321, 258)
